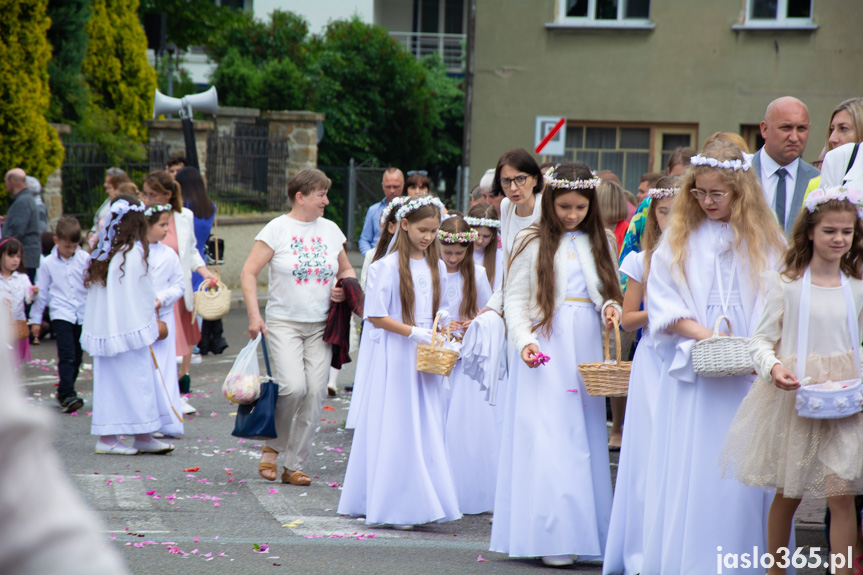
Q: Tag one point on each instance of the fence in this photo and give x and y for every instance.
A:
(83, 173)
(450, 47)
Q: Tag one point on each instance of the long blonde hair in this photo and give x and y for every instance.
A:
(751, 219)
(406, 281)
(652, 233)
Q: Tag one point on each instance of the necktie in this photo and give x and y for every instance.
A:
(780, 196)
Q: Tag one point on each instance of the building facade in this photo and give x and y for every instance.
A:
(637, 78)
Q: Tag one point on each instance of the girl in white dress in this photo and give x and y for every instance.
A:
(768, 444)
(553, 496)
(366, 344)
(721, 238)
(166, 276)
(471, 433)
(15, 291)
(397, 472)
(624, 548)
(119, 329)
(487, 249)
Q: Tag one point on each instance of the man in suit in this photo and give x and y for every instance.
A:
(778, 165)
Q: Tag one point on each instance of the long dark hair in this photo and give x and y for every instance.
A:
(489, 255)
(195, 193)
(549, 230)
(131, 228)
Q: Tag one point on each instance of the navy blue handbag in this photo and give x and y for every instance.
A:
(258, 420)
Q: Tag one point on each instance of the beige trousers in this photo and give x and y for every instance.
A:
(300, 361)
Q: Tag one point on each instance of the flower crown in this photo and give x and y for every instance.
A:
(821, 196)
(149, 212)
(416, 203)
(553, 181)
(735, 165)
(457, 238)
(445, 217)
(106, 235)
(660, 193)
(396, 201)
(482, 222)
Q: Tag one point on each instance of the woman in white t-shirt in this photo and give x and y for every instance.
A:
(306, 256)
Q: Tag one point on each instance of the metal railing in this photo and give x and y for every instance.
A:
(450, 47)
(247, 173)
(83, 173)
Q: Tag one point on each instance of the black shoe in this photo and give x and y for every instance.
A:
(71, 403)
(185, 383)
(217, 346)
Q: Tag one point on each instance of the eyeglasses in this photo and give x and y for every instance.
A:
(715, 197)
(417, 172)
(506, 183)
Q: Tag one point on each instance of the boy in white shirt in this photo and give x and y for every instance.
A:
(61, 286)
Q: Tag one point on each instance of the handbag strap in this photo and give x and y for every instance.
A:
(851, 161)
(216, 235)
(803, 322)
(266, 355)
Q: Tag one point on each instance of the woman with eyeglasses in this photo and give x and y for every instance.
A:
(417, 182)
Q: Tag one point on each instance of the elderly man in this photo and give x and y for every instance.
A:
(22, 220)
(778, 165)
(393, 184)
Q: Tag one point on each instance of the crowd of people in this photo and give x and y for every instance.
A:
(523, 285)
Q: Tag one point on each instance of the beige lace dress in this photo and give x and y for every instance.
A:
(768, 444)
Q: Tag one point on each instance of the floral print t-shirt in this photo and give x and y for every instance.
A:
(303, 268)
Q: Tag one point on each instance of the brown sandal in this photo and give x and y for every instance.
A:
(296, 477)
(267, 466)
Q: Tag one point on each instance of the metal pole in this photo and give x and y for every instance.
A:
(352, 203)
(468, 92)
(459, 189)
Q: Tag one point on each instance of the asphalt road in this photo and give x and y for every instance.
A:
(203, 508)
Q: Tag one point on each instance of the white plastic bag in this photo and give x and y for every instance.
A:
(243, 384)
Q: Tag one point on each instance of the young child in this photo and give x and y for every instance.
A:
(553, 495)
(120, 326)
(166, 275)
(15, 291)
(721, 238)
(768, 444)
(61, 287)
(624, 548)
(472, 441)
(366, 343)
(487, 250)
(397, 473)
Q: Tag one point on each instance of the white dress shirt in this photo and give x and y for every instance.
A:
(61, 286)
(769, 180)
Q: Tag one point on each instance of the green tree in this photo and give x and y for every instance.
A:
(122, 82)
(283, 37)
(26, 138)
(192, 22)
(68, 39)
(448, 130)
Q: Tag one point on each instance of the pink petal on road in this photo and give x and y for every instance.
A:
(479, 559)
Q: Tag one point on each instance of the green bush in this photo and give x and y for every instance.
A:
(68, 37)
(26, 139)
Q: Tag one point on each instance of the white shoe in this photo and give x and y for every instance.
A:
(179, 359)
(153, 446)
(558, 560)
(115, 449)
(196, 359)
(401, 527)
(188, 408)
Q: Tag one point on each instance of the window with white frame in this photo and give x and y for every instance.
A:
(779, 13)
(598, 12)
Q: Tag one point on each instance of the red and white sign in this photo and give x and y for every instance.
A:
(550, 135)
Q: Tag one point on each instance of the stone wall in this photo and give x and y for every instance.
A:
(301, 130)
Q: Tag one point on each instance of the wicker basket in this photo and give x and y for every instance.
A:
(433, 358)
(722, 356)
(604, 377)
(215, 304)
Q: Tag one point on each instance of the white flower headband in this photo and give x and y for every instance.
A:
(820, 196)
(553, 181)
(106, 236)
(482, 222)
(660, 193)
(396, 201)
(457, 238)
(149, 212)
(735, 165)
(416, 203)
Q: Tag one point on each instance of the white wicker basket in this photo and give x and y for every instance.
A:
(722, 356)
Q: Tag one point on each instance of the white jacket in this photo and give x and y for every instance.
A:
(519, 293)
(190, 259)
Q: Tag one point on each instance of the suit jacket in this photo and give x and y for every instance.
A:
(805, 172)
